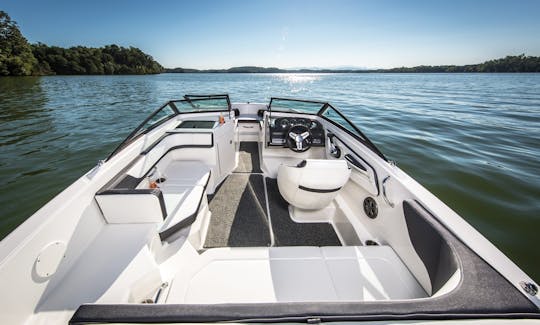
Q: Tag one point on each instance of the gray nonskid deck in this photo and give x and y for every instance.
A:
(248, 158)
(290, 233)
(239, 216)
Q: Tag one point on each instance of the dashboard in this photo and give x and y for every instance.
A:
(280, 125)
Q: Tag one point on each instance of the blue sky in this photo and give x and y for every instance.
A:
(290, 33)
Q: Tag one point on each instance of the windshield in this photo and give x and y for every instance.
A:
(295, 105)
(160, 116)
(333, 115)
(190, 104)
(199, 103)
(336, 117)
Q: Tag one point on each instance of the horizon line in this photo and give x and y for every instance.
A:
(346, 67)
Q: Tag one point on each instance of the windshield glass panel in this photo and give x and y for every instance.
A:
(333, 115)
(203, 104)
(295, 106)
(155, 119)
(158, 117)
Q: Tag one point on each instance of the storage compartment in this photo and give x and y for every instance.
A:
(249, 130)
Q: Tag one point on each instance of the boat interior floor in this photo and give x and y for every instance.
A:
(239, 214)
(287, 232)
(248, 158)
(248, 211)
(255, 252)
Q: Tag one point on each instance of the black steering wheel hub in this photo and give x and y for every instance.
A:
(298, 138)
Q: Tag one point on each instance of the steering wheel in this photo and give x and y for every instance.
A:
(298, 138)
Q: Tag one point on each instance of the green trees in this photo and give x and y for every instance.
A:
(16, 56)
(517, 63)
(111, 59)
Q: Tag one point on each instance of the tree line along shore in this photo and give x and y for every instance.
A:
(20, 58)
(517, 63)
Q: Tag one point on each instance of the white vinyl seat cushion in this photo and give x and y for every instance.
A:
(183, 190)
(185, 209)
(186, 172)
(312, 184)
(294, 274)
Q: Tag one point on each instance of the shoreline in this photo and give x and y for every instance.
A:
(277, 73)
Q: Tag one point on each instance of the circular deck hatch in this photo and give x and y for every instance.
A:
(49, 259)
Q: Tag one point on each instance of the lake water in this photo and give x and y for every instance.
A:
(472, 139)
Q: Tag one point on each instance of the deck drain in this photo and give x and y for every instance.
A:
(370, 207)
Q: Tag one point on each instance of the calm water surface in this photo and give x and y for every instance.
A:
(472, 139)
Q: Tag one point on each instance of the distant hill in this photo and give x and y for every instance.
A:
(253, 69)
(518, 63)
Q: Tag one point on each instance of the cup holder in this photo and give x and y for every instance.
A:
(161, 180)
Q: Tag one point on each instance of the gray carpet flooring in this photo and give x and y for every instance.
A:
(248, 161)
(239, 217)
(290, 233)
(239, 214)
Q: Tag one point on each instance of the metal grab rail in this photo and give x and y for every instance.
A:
(391, 204)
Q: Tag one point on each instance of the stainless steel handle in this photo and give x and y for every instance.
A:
(384, 191)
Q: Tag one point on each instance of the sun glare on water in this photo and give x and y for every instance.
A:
(299, 77)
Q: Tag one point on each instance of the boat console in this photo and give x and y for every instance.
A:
(284, 131)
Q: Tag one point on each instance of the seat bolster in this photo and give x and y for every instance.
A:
(325, 174)
(312, 185)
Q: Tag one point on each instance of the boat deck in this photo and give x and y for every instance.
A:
(138, 239)
(248, 211)
(254, 252)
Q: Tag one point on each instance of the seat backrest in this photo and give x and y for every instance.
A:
(313, 183)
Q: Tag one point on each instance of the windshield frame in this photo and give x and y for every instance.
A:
(190, 99)
(315, 112)
(360, 136)
(136, 134)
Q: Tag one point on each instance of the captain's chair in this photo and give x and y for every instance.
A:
(313, 183)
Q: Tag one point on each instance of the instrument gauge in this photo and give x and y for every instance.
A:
(284, 123)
